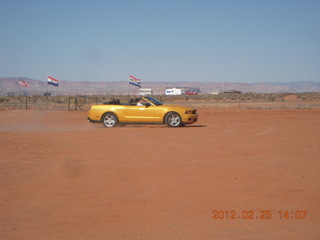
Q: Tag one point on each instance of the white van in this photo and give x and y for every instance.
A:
(175, 91)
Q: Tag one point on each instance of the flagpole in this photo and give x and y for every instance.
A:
(47, 95)
(19, 87)
(19, 94)
(129, 91)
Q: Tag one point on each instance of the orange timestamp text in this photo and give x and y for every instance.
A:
(258, 214)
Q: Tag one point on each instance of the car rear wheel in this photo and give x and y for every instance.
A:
(173, 119)
(110, 120)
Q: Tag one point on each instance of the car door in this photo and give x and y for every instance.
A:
(139, 114)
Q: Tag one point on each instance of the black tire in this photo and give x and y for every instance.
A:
(173, 119)
(110, 120)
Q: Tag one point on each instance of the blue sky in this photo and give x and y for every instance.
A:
(164, 40)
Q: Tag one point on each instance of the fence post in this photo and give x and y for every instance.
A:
(76, 105)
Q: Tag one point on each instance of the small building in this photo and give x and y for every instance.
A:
(175, 91)
(145, 91)
(12, 93)
(232, 91)
(215, 90)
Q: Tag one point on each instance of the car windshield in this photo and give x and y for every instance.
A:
(154, 101)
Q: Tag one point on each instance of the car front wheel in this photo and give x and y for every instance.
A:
(110, 120)
(173, 119)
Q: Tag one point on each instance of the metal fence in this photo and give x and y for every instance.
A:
(83, 103)
(45, 103)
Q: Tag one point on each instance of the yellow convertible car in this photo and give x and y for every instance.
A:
(143, 110)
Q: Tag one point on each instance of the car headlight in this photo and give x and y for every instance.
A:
(188, 111)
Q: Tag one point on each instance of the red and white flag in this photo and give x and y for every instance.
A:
(52, 81)
(134, 81)
(23, 83)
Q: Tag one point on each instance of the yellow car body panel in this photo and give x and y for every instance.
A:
(153, 112)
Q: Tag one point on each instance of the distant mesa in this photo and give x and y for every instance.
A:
(9, 86)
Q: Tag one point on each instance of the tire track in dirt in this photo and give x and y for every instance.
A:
(104, 212)
(104, 205)
(256, 130)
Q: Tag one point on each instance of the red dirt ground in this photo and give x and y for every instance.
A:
(64, 178)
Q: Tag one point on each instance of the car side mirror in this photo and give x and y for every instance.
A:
(147, 104)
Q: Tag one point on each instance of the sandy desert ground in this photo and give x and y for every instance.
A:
(226, 177)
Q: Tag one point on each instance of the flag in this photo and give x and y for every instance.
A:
(134, 81)
(53, 81)
(23, 83)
